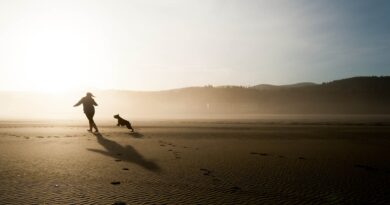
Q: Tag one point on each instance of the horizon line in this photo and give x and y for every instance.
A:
(194, 86)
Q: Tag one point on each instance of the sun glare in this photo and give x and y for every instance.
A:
(60, 61)
(59, 49)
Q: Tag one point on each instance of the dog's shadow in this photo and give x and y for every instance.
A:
(136, 135)
(124, 153)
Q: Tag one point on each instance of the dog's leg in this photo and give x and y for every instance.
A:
(128, 125)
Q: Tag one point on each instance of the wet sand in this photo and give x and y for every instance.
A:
(210, 162)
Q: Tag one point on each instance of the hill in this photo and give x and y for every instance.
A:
(359, 95)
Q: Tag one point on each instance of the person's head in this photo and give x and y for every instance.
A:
(90, 95)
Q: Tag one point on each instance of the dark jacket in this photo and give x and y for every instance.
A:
(88, 104)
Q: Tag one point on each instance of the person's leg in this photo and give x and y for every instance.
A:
(90, 120)
(93, 123)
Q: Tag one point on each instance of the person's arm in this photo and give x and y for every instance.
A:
(79, 103)
(94, 103)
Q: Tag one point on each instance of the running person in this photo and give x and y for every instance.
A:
(89, 109)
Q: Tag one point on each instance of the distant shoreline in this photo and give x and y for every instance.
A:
(278, 120)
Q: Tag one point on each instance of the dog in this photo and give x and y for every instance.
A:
(122, 122)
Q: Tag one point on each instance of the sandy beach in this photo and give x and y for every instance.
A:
(232, 102)
(195, 162)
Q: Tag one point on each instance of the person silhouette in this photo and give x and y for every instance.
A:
(89, 109)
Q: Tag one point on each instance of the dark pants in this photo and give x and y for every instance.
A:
(90, 119)
(90, 116)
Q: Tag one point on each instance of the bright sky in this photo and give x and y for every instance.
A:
(51, 45)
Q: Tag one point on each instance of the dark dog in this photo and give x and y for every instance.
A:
(123, 122)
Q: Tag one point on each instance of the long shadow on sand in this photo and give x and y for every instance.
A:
(124, 153)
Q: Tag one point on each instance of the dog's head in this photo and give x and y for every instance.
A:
(116, 116)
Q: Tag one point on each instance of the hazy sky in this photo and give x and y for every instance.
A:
(153, 45)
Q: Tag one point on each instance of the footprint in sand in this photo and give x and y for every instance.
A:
(119, 203)
(215, 179)
(209, 173)
(176, 154)
(125, 169)
(235, 189)
(118, 160)
(115, 182)
(163, 144)
(206, 172)
(261, 154)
